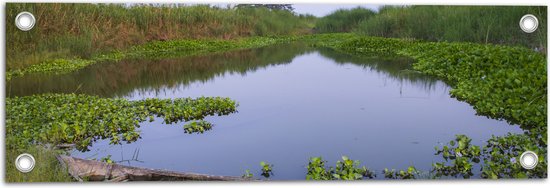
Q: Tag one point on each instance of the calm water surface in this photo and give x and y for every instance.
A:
(295, 103)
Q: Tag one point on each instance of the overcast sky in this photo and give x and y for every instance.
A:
(320, 10)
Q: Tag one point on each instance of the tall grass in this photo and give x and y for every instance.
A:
(481, 24)
(81, 30)
(47, 168)
(342, 20)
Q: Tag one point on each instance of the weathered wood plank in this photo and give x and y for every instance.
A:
(92, 170)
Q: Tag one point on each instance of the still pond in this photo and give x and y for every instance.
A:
(295, 102)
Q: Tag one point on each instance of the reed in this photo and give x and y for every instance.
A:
(342, 20)
(82, 30)
(480, 24)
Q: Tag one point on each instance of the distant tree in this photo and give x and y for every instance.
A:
(287, 7)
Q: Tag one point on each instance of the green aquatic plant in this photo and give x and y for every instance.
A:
(247, 174)
(410, 173)
(374, 46)
(461, 158)
(500, 158)
(197, 126)
(346, 169)
(316, 170)
(267, 169)
(55, 66)
(107, 159)
(501, 82)
(82, 119)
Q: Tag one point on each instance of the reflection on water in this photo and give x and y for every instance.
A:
(119, 79)
(295, 102)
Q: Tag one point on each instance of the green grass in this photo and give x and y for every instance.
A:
(342, 20)
(47, 167)
(84, 30)
(480, 24)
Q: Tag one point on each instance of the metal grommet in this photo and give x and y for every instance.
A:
(529, 23)
(25, 162)
(528, 160)
(25, 21)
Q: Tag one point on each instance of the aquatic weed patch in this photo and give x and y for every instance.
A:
(55, 66)
(180, 48)
(346, 169)
(500, 82)
(500, 157)
(374, 46)
(82, 119)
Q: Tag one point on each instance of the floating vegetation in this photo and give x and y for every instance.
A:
(56, 66)
(83, 119)
(410, 173)
(374, 46)
(247, 174)
(267, 169)
(461, 158)
(346, 169)
(197, 126)
(501, 82)
(500, 158)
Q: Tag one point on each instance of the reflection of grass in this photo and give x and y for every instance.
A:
(118, 79)
(47, 168)
(152, 50)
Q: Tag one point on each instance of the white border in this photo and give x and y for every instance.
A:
(381, 183)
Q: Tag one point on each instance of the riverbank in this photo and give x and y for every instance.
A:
(80, 31)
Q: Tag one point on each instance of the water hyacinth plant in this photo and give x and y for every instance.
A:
(82, 119)
(346, 169)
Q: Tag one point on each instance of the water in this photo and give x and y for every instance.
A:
(295, 103)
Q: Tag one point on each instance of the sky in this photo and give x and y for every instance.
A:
(320, 10)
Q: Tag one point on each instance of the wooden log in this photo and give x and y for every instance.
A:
(92, 170)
